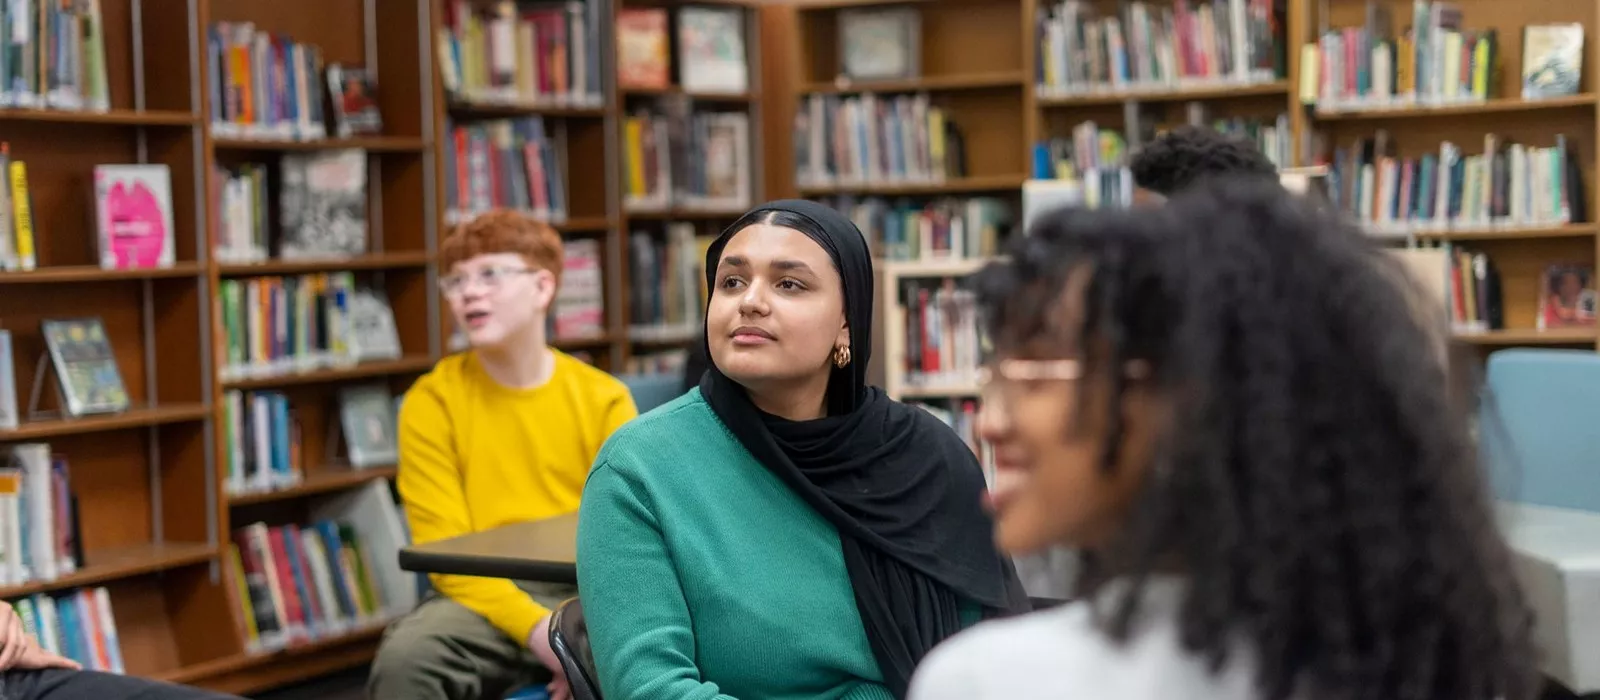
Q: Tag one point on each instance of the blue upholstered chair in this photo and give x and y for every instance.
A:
(652, 390)
(1540, 427)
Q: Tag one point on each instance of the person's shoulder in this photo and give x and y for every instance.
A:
(680, 421)
(445, 377)
(990, 659)
(594, 379)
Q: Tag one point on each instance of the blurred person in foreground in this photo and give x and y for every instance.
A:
(1228, 405)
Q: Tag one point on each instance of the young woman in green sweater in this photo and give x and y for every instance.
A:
(784, 531)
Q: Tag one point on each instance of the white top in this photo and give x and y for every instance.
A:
(1060, 653)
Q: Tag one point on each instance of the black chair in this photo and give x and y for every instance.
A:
(569, 639)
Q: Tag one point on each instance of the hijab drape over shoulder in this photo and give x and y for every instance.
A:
(901, 487)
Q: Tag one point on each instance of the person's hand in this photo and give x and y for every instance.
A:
(18, 650)
(539, 642)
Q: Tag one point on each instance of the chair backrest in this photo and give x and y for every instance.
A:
(569, 639)
(1537, 429)
(652, 390)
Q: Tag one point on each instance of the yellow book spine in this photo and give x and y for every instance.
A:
(22, 215)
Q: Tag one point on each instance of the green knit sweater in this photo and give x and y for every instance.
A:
(703, 576)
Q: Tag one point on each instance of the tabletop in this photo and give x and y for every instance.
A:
(536, 550)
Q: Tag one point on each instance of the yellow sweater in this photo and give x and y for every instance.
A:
(475, 454)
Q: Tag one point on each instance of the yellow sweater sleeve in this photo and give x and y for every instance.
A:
(436, 507)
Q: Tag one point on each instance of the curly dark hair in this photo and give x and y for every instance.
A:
(1179, 158)
(1316, 482)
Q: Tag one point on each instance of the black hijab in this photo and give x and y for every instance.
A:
(900, 486)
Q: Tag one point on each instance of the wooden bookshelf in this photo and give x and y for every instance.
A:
(992, 55)
(1520, 252)
(155, 514)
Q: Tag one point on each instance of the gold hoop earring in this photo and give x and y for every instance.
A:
(841, 356)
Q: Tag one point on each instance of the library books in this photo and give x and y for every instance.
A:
(321, 208)
(335, 575)
(945, 228)
(263, 85)
(579, 309)
(504, 52)
(17, 250)
(77, 624)
(274, 325)
(1150, 47)
(869, 138)
(668, 290)
(53, 56)
(505, 163)
(1508, 185)
(38, 516)
(85, 366)
(677, 158)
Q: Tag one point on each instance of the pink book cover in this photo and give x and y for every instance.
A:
(134, 208)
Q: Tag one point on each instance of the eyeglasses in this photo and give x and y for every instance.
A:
(1003, 377)
(489, 278)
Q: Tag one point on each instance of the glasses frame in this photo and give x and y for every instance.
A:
(460, 282)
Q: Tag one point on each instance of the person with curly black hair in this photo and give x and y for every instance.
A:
(1180, 157)
(1229, 405)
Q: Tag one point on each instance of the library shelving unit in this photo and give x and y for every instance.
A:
(667, 222)
(954, 102)
(152, 507)
(1412, 123)
(588, 133)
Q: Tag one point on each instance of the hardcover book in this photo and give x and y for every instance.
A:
(323, 205)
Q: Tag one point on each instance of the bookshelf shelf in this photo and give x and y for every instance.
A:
(699, 96)
(1530, 337)
(1218, 92)
(131, 418)
(971, 81)
(243, 671)
(966, 185)
(486, 109)
(124, 117)
(375, 144)
(959, 267)
(1493, 106)
(123, 562)
(93, 273)
(320, 480)
(1567, 231)
(685, 214)
(373, 261)
(377, 368)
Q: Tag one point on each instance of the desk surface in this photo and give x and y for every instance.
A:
(538, 550)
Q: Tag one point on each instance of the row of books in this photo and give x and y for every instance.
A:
(302, 583)
(667, 296)
(262, 433)
(710, 49)
(1507, 185)
(680, 158)
(870, 138)
(303, 206)
(905, 229)
(521, 53)
(133, 224)
(266, 85)
(942, 347)
(38, 516)
(1157, 46)
(78, 624)
(284, 324)
(1434, 60)
(579, 310)
(505, 163)
(53, 56)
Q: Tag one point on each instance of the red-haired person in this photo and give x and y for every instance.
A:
(502, 432)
